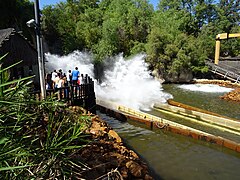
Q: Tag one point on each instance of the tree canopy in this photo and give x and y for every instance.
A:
(177, 36)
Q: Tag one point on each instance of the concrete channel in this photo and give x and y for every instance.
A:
(212, 120)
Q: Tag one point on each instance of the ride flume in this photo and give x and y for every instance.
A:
(127, 88)
(208, 119)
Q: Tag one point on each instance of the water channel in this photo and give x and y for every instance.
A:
(173, 156)
(205, 97)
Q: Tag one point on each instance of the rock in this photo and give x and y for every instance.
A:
(233, 95)
(133, 154)
(124, 172)
(114, 135)
(148, 177)
(134, 168)
(107, 152)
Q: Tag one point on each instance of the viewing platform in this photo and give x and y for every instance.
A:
(74, 95)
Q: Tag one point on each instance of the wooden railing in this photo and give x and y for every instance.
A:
(76, 95)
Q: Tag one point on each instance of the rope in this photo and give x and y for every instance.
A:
(113, 174)
(159, 126)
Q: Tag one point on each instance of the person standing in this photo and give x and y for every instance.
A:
(54, 74)
(61, 81)
(56, 81)
(69, 77)
(49, 82)
(75, 75)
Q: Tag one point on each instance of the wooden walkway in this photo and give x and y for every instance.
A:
(225, 70)
(78, 95)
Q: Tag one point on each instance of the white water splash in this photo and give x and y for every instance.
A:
(126, 82)
(211, 88)
(129, 83)
(75, 59)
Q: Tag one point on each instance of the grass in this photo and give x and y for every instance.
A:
(38, 139)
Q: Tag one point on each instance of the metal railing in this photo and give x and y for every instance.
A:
(226, 71)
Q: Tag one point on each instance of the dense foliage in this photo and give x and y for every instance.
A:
(177, 36)
(38, 139)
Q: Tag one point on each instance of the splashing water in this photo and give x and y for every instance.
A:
(126, 82)
(211, 88)
(129, 83)
(75, 59)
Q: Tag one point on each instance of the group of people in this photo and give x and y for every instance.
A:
(58, 79)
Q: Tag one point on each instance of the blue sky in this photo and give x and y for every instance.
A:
(50, 2)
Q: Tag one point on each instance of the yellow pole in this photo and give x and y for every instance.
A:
(217, 51)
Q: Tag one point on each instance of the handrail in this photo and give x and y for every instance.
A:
(82, 95)
(221, 70)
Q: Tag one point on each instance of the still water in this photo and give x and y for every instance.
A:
(173, 156)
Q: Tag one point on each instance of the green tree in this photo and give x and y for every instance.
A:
(205, 12)
(15, 14)
(171, 50)
(125, 27)
(88, 28)
(228, 14)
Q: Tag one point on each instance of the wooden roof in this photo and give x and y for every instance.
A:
(17, 47)
(4, 34)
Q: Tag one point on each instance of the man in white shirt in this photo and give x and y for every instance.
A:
(54, 75)
(69, 78)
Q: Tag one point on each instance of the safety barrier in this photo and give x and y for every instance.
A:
(79, 95)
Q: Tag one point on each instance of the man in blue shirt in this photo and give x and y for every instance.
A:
(75, 75)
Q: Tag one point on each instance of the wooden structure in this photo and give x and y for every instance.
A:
(226, 69)
(76, 95)
(153, 122)
(219, 37)
(18, 48)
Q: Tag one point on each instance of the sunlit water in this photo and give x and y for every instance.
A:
(172, 156)
(204, 96)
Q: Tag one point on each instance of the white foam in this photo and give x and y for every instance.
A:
(211, 88)
(129, 83)
(75, 59)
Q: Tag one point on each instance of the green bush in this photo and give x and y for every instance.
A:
(38, 139)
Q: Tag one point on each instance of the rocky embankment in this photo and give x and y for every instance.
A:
(234, 95)
(106, 156)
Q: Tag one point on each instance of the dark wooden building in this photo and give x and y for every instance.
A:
(18, 48)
